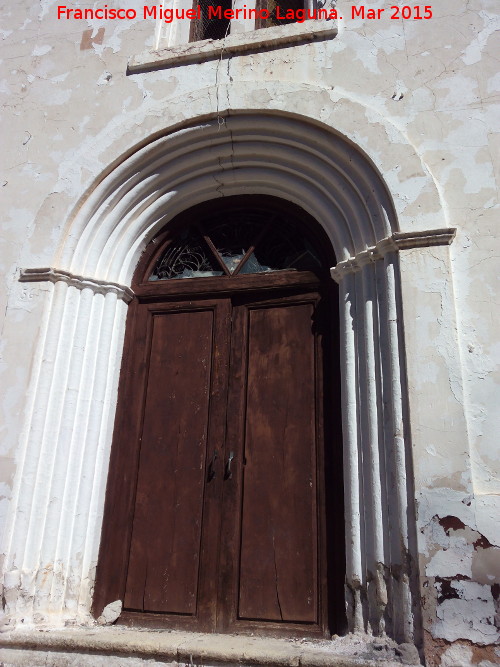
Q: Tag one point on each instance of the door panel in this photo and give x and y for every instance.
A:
(164, 554)
(278, 523)
(274, 549)
(166, 543)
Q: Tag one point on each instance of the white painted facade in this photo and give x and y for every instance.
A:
(386, 132)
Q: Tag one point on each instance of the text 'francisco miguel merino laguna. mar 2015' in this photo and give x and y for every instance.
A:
(168, 14)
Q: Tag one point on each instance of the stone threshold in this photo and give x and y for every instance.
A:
(192, 648)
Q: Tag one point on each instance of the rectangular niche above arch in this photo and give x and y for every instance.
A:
(185, 52)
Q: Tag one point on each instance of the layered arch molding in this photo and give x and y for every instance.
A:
(271, 154)
(55, 523)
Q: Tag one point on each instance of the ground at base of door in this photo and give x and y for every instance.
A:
(120, 647)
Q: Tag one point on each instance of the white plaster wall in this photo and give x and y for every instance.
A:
(70, 112)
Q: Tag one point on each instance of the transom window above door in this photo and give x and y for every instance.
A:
(242, 242)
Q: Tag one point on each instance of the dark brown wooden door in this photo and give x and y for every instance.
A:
(216, 506)
(227, 530)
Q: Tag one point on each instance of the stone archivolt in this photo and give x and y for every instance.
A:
(54, 534)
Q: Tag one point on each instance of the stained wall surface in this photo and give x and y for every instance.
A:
(71, 113)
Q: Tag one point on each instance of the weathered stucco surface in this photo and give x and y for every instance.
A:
(414, 95)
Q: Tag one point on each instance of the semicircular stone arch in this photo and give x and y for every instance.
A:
(249, 153)
(56, 521)
(105, 157)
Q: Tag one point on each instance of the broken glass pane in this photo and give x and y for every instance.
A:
(275, 244)
(234, 236)
(187, 257)
(285, 248)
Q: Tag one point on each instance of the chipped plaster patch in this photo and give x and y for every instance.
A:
(474, 51)
(494, 83)
(460, 91)
(459, 656)
(58, 97)
(488, 517)
(457, 558)
(470, 615)
(41, 50)
(486, 566)
(463, 566)
(60, 78)
(45, 6)
(104, 79)
(442, 502)
(364, 50)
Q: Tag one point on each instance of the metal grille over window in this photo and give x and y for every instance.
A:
(245, 242)
(186, 257)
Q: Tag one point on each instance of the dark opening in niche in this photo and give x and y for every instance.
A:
(277, 12)
(211, 24)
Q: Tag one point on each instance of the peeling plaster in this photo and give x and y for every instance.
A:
(463, 568)
(470, 614)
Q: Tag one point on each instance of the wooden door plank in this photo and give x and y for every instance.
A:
(120, 490)
(275, 564)
(166, 539)
(278, 559)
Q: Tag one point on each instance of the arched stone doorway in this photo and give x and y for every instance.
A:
(225, 501)
(55, 523)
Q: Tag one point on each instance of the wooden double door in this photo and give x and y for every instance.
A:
(218, 517)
